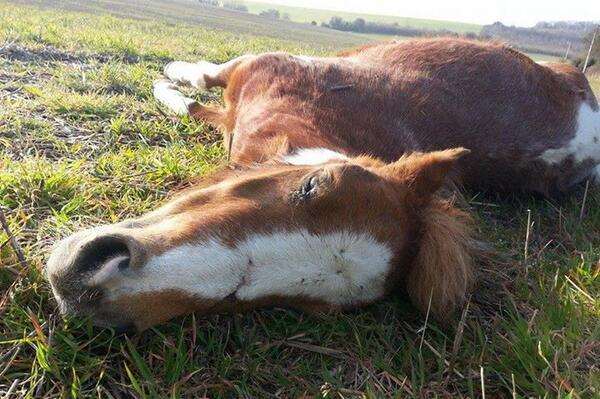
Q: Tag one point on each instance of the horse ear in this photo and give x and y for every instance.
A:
(424, 173)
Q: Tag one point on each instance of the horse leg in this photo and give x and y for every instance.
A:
(202, 75)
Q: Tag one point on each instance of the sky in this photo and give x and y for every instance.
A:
(509, 12)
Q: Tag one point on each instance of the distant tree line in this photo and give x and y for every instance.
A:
(239, 5)
(541, 37)
(566, 26)
(235, 5)
(360, 25)
(552, 38)
(274, 14)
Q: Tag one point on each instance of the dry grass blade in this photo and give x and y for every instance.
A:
(39, 331)
(585, 194)
(527, 233)
(12, 388)
(582, 292)
(589, 52)
(426, 320)
(11, 355)
(6, 296)
(482, 382)
(316, 349)
(436, 353)
(460, 329)
(13, 242)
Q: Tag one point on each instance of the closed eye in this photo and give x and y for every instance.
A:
(308, 188)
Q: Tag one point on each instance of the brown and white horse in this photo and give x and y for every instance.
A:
(333, 201)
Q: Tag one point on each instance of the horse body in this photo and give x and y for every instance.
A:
(334, 201)
(530, 127)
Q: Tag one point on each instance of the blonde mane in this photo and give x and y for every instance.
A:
(443, 269)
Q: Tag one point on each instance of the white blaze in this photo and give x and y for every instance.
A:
(338, 268)
(313, 156)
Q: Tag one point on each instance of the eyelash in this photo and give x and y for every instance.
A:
(306, 190)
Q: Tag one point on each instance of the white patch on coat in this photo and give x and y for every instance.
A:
(167, 94)
(585, 145)
(337, 268)
(313, 156)
(305, 59)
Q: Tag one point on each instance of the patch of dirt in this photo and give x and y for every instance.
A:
(51, 54)
(16, 52)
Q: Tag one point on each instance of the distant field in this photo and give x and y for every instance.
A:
(308, 15)
(544, 57)
(595, 83)
(82, 142)
(314, 38)
(189, 11)
(383, 38)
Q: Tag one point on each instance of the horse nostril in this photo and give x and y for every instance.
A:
(97, 252)
(123, 264)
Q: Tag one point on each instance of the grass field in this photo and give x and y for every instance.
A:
(220, 19)
(82, 142)
(308, 15)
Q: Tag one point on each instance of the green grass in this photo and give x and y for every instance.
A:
(82, 143)
(307, 15)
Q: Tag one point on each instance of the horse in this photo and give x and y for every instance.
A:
(339, 188)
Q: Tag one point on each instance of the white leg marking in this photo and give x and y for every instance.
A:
(166, 93)
(338, 268)
(585, 145)
(193, 74)
(186, 73)
(313, 156)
